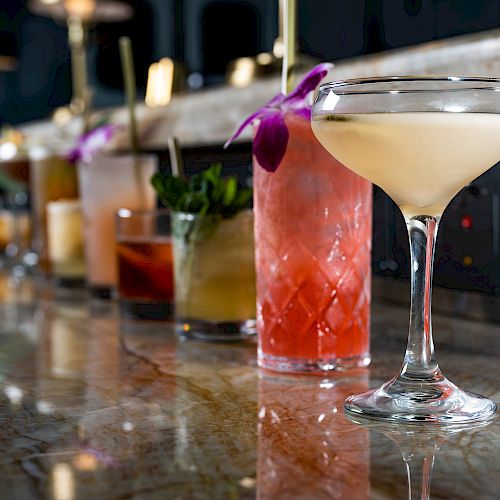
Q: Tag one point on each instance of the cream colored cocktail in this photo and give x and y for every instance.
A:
(387, 149)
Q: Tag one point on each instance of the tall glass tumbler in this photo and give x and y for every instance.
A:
(52, 178)
(108, 183)
(313, 233)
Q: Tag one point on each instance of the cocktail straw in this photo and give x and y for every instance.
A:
(127, 60)
(288, 11)
(176, 161)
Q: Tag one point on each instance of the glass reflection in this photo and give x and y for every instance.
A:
(68, 344)
(63, 484)
(306, 446)
(419, 446)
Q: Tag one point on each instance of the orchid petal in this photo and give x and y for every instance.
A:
(74, 156)
(309, 82)
(261, 112)
(276, 100)
(244, 125)
(303, 112)
(270, 141)
(91, 143)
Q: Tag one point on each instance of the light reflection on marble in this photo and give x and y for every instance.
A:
(94, 408)
(306, 446)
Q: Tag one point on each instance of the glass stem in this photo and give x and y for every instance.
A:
(419, 472)
(419, 361)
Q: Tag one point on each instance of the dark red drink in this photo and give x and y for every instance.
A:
(145, 276)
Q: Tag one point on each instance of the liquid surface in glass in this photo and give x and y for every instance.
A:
(420, 159)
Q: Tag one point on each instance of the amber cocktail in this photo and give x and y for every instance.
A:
(145, 265)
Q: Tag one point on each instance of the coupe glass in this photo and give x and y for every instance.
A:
(421, 139)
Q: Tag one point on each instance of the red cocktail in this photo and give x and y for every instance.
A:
(313, 227)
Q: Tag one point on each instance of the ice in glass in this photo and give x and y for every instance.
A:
(313, 252)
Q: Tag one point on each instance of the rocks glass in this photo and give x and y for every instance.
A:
(65, 242)
(214, 276)
(145, 266)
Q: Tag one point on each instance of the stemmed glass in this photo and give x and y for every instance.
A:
(421, 139)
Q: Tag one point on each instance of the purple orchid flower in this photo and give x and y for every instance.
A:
(91, 143)
(271, 139)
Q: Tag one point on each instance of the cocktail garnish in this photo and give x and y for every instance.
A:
(206, 193)
(271, 138)
(89, 144)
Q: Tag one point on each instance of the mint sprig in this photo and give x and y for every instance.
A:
(205, 193)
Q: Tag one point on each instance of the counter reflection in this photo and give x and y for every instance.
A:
(419, 446)
(306, 446)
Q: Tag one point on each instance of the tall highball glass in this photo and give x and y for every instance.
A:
(421, 139)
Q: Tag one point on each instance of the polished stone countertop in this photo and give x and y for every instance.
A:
(92, 407)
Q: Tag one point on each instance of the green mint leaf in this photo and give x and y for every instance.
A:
(170, 189)
(195, 203)
(206, 193)
(230, 191)
(243, 198)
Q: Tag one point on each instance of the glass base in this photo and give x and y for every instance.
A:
(155, 311)
(301, 365)
(68, 282)
(404, 400)
(195, 329)
(101, 292)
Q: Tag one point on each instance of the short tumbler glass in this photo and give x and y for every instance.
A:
(214, 276)
(145, 268)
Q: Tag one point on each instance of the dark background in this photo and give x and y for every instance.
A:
(206, 34)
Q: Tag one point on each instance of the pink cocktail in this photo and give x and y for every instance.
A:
(313, 228)
(107, 184)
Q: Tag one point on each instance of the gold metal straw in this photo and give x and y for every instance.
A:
(127, 60)
(288, 11)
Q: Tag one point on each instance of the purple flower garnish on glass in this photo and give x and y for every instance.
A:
(271, 139)
(91, 143)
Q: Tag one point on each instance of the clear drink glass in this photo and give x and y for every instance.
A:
(15, 221)
(313, 236)
(65, 242)
(421, 139)
(108, 183)
(52, 178)
(214, 276)
(145, 263)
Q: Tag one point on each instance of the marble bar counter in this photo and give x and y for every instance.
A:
(95, 408)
